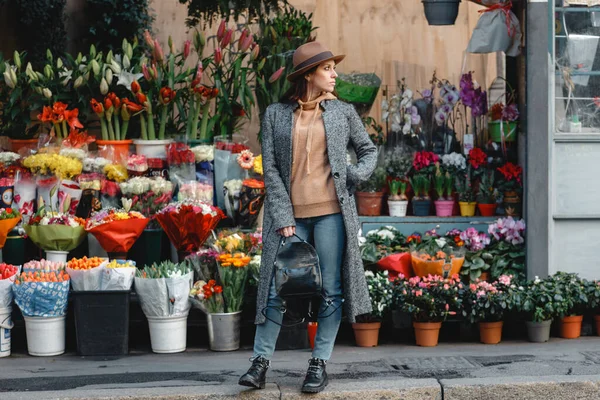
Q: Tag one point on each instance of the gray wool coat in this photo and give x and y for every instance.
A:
(343, 126)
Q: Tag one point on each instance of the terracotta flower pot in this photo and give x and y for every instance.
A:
(312, 333)
(490, 332)
(17, 144)
(427, 333)
(443, 208)
(369, 203)
(118, 148)
(366, 334)
(467, 209)
(570, 327)
(512, 204)
(487, 210)
(485, 276)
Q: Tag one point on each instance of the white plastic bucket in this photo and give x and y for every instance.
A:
(168, 334)
(397, 208)
(57, 256)
(45, 335)
(152, 148)
(5, 327)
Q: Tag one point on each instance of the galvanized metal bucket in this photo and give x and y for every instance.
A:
(224, 331)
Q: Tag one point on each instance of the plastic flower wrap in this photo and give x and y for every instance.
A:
(97, 274)
(79, 154)
(116, 229)
(116, 172)
(42, 289)
(435, 255)
(196, 191)
(8, 158)
(71, 188)
(188, 223)
(9, 218)
(147, 195)
(137, 165)
(54, 229)
(164, 289)
(95, 164)
(24, 194)
(203, 153)
(8, 275)
(181, 163)
(233, 272)
(204, 156)
(208, 296)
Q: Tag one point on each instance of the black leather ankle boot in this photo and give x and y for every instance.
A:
(316, 376)
(256, 375)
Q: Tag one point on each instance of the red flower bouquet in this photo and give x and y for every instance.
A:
(188, 223)
(116, 230)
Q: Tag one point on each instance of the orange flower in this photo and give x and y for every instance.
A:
(46, 115)
(72, 118)
(141, 98)
(135, 87)
(114, 99)
(59, 108)
(166, 95)
(132, 107)
(246, 159)
(97, 107)
(107, 103)
(440, 254)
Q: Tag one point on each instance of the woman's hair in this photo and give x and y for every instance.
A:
(298, 89)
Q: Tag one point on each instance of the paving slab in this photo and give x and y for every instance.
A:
(583, 387)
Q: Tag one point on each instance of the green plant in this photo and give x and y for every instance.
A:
(487, 192)
(443, 184)
(381, 243)
(44, 24)
(536, 299)
(15, 99)
(114, 21)
(380, 293)
(487, 302)
(279, 35)
(421, 185)
(464, 187)
(570, 295)
(209, 10)
(592, 289)
(396, 186)
(375, 182)
(398, 163)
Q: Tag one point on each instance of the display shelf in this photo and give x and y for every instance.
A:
(411, 224)
(577, 9)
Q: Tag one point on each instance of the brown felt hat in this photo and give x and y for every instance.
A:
(310, 55)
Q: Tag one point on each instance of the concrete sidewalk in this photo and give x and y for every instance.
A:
(560, 369)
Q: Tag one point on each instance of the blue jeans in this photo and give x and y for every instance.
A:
(328, 235)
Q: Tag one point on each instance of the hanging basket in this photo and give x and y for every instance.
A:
(441, 12)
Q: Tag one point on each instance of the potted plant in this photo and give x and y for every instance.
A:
(511, 185)
(435, 255)
(421, 202)
(502, 126)
(429, 301)
(442, 183)
(369, 195)
(571, 301)
(508, 248)
(398, 165)
(485, 304)
(466, 195)
(441, 12)
(366, 328)
(593, 294)
(536, 300)
(478, 259)
(386, 249)
(486, 198)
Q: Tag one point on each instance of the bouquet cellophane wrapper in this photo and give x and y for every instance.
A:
(186, 229)
(6, 225)
(119, 236)
(55, 237)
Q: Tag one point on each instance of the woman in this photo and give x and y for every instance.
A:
(310, 194)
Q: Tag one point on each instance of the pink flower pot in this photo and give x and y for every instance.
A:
(443, 208)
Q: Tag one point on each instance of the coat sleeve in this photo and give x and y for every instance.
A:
(366, 152)
(277, 202)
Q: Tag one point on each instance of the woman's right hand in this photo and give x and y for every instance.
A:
(287, 231)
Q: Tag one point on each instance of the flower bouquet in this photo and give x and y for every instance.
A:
(208, 296)
(386, 248)
(41, 290)
(188, 224)
(204, 156)
(147, 195)
(164, 289)
(98, 274)
(8, 275)
(233, 273)
(24, 194)
(181, 160)
(116, 229)
(196, 191)
(9, 218)
(435, 255)
(56, 232)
